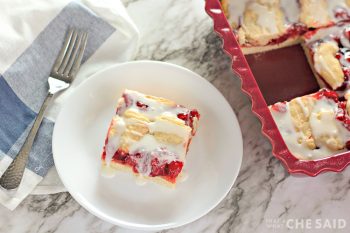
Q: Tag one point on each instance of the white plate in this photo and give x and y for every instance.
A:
(213, 160)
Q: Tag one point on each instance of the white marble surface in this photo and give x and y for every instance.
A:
(265, 198)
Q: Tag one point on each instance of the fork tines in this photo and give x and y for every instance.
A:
(69, 59)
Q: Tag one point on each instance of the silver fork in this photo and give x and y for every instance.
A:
(63, 72)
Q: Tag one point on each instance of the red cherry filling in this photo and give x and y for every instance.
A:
(174, 169)
(128, 101)
(171, 170)
(182, 116)
(343, 52)
(141, 105)
(280, 107)
(104, 154)
(194, 113)
(188, 117)
(123, 157)
(168, 170)
(120, 155)
(346, 72)
(342, 115)
(326, 93)
(341, 13)
(157, 170)
(294, 30)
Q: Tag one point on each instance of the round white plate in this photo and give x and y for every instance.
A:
(213, 160)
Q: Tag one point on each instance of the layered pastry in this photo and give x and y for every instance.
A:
(149, 136)
(314, 126)
(262, 25)
(328, 52)
(321, 13)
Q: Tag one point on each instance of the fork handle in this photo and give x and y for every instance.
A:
(13, 175)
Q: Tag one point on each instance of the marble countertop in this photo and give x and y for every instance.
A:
(265, 198)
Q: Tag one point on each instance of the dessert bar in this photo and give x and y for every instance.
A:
(314, 126)
(149, 136)
(262, 25)
(328, 52)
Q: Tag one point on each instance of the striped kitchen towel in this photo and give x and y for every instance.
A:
(31, 35)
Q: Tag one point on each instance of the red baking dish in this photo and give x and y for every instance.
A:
(263, 91)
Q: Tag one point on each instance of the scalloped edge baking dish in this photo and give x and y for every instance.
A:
(241, 68)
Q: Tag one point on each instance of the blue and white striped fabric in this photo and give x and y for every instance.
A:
(31, 36)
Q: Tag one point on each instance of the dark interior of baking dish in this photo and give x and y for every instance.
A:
(283, 74)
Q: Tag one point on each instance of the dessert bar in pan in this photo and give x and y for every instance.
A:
(262, 25)
(314, 126)
(328, 52)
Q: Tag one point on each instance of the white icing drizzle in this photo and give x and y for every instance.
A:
(325, 34)
(154, 108)
(236, 10)
(344, 41)
(320, 14)
(150, 149)
(326, 125)
(291, 10)
(344, 59)
(148, 146)
(266, 18)
(171, 128)
(149, 143)
(116, 130)
(334, 5)
(288, 132)
(303, 107)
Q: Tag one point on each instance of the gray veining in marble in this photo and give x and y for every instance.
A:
(265, 198)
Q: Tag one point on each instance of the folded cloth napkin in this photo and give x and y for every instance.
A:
(31, 36)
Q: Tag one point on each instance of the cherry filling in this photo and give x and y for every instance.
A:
(339, 55)
(342, 115)
(346, 33)
(294, 30)
(188, 117)
(104, 155)
(341, 13)
(127, 103)
(326, 93)
(280, 107)
(344, 59)
(141, 105)
(169, 171)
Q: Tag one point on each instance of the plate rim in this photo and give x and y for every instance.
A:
(136, 226)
